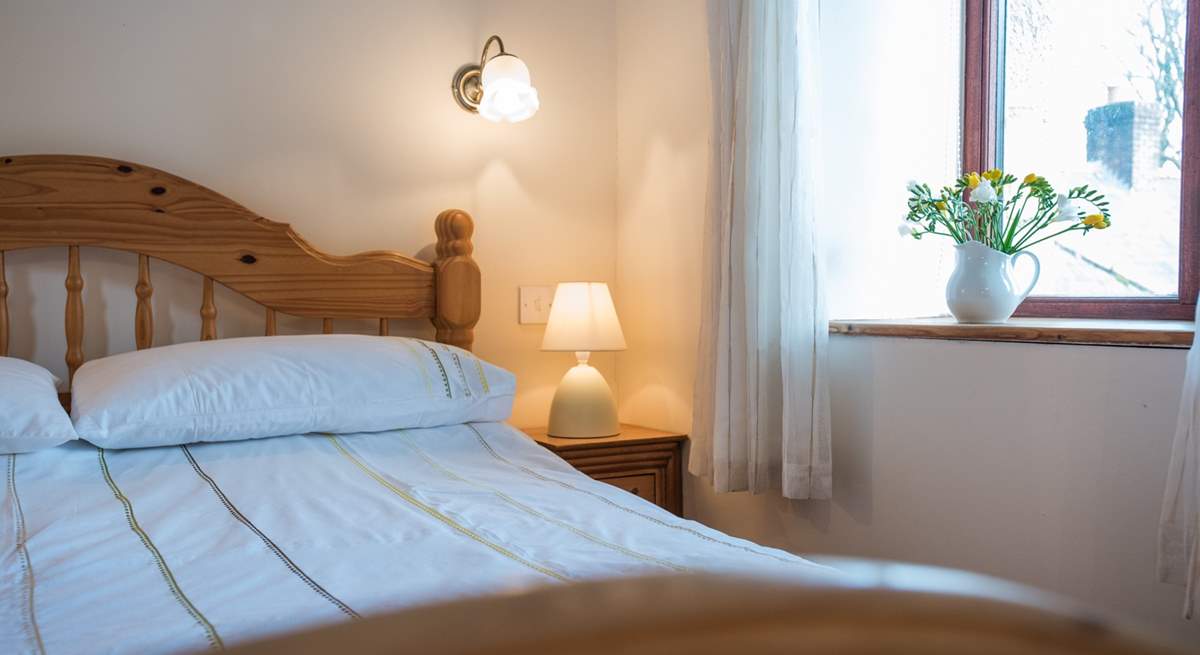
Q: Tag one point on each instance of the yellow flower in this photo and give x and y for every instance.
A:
(973, 180)
(993, 175)
(941, 205)
(1031, 178)
(1096, 220)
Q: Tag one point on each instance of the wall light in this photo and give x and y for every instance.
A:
(498, 88)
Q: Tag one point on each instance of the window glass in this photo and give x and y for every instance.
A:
(891, 112)
(1091, 93)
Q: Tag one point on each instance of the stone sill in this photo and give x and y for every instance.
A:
(1076, 331)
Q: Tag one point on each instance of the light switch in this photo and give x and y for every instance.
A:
(535, 305)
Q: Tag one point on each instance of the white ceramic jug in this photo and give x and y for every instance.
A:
(981, 288)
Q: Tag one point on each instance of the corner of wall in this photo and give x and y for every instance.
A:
(662, 159)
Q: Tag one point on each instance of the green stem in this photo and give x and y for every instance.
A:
(950, 225)
(950, 231)
(999, 225)
(1014, 218)
(1029, 229)
(1073, 227)
(950, 228)
(1041, 220)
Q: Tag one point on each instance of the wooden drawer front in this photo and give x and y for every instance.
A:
(643, 485)
(650, 470)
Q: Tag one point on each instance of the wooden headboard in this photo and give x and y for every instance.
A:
(72, 201)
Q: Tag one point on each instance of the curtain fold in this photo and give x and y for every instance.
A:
(761, 411)
(1179, 527)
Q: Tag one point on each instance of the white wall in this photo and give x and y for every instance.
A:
(1044, 464)
(662, 155)
(337, 118)
(1039, 463)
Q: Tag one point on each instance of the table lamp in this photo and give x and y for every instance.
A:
(583, 320)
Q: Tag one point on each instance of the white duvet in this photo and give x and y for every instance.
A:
(186, 548)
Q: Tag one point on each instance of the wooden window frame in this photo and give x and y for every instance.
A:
(981, 55)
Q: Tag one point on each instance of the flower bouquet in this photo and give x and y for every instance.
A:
(976, 209)
(993, 218)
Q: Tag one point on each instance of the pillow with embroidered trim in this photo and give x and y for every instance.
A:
(31, 418)
(256, 387)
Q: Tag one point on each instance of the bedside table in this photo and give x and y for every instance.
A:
(643, 461)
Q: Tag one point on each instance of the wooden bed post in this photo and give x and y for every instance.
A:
(457, 293)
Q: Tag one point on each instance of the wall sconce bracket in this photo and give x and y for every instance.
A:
(467, 86)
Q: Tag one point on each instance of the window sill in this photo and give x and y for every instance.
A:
(1089, 332)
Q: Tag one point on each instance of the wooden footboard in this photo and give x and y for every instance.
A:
(875, 608)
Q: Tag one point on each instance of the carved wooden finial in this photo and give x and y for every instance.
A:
(454, 228)
(457, 280)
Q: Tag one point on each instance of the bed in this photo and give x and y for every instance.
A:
(197, 546)
(203, 546)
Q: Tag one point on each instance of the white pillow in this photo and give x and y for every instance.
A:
(271, 386)
(31, 418)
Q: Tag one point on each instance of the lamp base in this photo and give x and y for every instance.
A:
(583, 406)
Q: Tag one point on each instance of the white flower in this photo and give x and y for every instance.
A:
(914, 187)
(985, 192)
(1067, 211)
(906, 229)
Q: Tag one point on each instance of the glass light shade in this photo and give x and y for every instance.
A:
(583, 318)
(508, 96)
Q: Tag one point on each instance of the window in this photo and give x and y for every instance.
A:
(1093, 92)
(879, 133)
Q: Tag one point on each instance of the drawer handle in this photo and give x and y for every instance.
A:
(635, 491)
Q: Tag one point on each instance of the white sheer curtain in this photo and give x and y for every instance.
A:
(761, 417)
(1179, 528)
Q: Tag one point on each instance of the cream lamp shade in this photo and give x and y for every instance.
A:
(583, 319)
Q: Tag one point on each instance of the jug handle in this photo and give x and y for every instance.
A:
(1037, 270)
